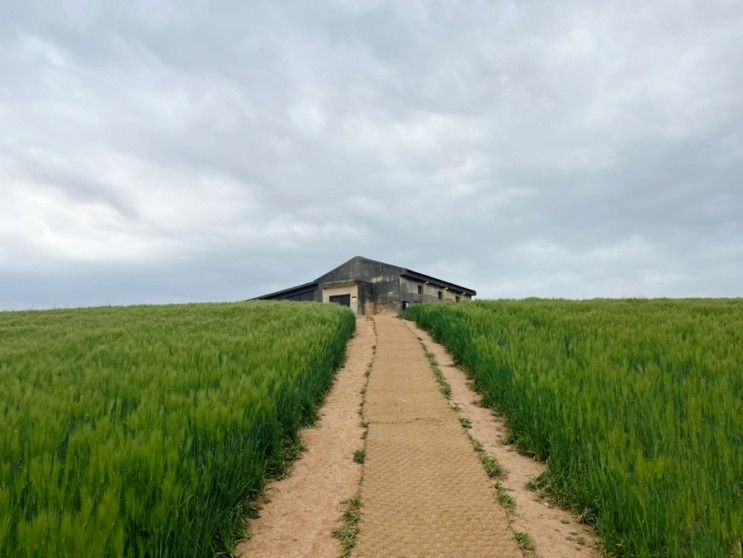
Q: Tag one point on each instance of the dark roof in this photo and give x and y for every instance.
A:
(405, 272)
(299, 289)
(427, 278)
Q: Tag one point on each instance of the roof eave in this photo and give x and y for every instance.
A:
(445, 284)
(301, 288)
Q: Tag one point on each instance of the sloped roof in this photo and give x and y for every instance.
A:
(304, 287)
(405, 272)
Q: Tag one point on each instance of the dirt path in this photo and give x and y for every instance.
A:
(556, 532)
(424, 491)
(304, 508)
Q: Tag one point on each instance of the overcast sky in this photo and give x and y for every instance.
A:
(163, 151)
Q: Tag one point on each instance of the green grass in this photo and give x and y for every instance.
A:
(359, 456)
(491, 466)
(504, 498)
(146, 430)
(494, 470)
(637, 405)
(348, 532)
(525, 542)
(444, 386)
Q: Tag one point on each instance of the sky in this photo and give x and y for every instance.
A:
(162, 151)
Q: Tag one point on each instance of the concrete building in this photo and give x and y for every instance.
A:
(367, 286)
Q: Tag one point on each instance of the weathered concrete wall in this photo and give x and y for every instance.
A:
(410, 292)
(366, 298)
(384, 281)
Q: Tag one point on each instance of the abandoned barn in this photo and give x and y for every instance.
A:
(368, 286)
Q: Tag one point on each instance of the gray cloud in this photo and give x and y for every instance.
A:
(164, 151)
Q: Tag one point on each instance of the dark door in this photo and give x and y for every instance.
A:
(343, 300)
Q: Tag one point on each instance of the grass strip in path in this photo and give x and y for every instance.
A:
(348, 531)
(549, 527)
(302, 510)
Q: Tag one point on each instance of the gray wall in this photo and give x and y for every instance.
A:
(409, 292)
(383, 279)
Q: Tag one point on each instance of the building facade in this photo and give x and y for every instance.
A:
(368, 286)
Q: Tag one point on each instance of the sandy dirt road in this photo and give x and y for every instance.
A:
(424, 491)
(304, 508)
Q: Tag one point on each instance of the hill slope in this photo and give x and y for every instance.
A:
(636, 404)
(144, 430)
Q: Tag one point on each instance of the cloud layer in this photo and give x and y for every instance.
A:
(173, 151)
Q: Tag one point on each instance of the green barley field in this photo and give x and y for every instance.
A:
(143, 431)
(637, 405)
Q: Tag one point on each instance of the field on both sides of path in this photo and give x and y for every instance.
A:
(144, 430)
(637, 405)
